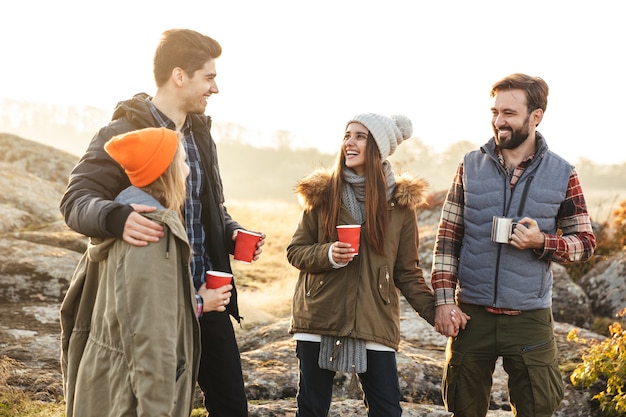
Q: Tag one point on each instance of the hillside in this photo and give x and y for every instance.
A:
(269, 173)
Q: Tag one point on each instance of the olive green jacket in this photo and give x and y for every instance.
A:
(362, 299)
(130, 336)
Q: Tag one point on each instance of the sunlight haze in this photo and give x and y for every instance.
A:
(308, 66)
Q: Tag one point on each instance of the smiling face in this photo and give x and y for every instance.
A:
(354, 145)
(510, 121)
(198, 87)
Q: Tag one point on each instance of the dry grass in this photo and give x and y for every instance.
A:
(15, 402)
(266, 286)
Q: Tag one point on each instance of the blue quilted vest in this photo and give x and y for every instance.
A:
(497, 274)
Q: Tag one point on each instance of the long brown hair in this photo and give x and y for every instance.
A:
(170, 189)
(376, 216)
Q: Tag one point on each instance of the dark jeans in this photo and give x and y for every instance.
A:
(220, 376)
(315, 386)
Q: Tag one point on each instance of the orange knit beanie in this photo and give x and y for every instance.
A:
(144, 154)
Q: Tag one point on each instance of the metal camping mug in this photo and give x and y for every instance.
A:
(502, 229)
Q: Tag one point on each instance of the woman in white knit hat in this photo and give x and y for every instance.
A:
(346, 307)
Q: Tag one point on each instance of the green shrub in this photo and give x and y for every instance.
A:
(603, 369)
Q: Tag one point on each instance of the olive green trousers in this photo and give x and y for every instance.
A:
(528, 349)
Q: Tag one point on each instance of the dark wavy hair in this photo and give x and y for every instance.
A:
(183, 48)
(535, 87)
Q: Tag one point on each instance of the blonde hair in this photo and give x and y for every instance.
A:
(170, 189)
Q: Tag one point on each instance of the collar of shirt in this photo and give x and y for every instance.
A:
(163, 121)
(523, 164)
(517, 172)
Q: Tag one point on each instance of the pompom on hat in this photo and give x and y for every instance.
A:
(388, 132)
(144, 154)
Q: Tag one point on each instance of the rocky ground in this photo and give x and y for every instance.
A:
(29, 335)
(38, 254)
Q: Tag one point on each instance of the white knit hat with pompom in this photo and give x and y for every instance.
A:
(388, 132)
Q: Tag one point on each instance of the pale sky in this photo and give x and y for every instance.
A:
(309, 66)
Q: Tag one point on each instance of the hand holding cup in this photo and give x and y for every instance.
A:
(216, 292)
(246, 245)
(350, 233)
(217, 279)
(215, 299)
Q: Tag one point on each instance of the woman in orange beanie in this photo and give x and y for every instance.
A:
(130, 333)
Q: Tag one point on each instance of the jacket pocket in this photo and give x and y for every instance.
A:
(384, 284)
(314, 284)
(180, 369)
(544, 376)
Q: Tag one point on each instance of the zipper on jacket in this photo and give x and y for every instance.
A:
(388, 285)
(507, 204)
(520, 211)
(522, 203)
(507, 191)
(496, 278)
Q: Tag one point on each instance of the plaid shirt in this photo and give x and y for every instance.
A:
(193, 206)
(574, 240)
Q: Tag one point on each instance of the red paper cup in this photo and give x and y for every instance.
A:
(245, 245)
(217, 279)
(350, 233)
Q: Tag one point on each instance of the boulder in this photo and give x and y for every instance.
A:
(570, 303)
(605, 284)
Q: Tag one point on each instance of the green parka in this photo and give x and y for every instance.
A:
(129, 332)
(362, 299)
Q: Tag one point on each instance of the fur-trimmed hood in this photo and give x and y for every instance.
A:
(312, 190)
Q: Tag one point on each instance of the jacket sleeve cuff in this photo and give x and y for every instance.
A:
(116, 220)
(333, 263)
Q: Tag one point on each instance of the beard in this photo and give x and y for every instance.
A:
(193, 105)
(518, 136)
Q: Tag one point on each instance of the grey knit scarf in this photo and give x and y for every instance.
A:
(353, 193)
(343, 354)
(346, 354)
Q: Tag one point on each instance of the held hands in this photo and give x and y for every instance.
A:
(527, 235)
(342, 253)
(449, 319)
(138, 230)
(215, 299)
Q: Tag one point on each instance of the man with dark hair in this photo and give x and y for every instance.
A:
(504, 283)
(184, 71)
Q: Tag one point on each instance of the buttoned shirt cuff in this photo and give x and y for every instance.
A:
(550, 245)
(444, 296)
(199, 305)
